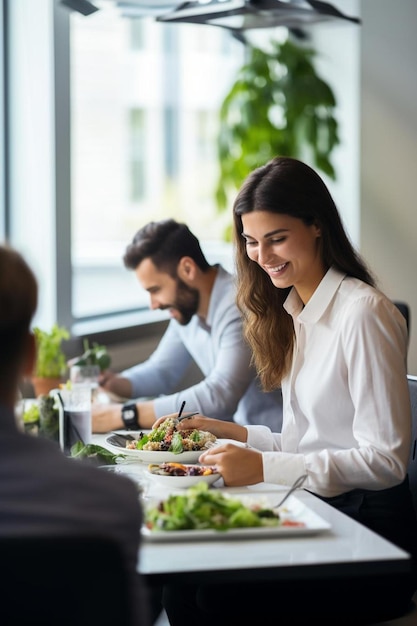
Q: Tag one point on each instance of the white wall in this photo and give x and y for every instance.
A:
(388, 148)
(337, 47)
(373, 71)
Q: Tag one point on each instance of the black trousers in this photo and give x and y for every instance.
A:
(358, 600)
(389, 512)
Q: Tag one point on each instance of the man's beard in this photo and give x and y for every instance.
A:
(186, 302)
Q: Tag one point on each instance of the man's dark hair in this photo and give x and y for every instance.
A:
(165, 243)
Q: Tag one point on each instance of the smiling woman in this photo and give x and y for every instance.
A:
(285, 248)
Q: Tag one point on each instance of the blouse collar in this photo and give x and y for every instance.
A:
(318, 302)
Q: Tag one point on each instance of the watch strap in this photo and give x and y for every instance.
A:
(130, 416)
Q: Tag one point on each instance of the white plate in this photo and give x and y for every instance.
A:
(182, 482)
(293, 509)
(156, 456)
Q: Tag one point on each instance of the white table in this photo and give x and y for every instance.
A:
(347, 548)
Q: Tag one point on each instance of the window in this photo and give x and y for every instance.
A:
(3, 228)
(136, 34)
(104, 138)
(162, 163)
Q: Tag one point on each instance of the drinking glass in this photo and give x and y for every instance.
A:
(86, 374)
(75, 416)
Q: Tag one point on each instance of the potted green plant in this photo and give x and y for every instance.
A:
(51, 361)
(278, 106)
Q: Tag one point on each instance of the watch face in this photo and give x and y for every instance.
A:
(129, 414)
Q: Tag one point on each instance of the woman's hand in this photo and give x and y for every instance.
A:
(238, 465)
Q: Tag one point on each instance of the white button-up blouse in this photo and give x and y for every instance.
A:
(347, 416)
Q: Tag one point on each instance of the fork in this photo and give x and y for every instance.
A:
(121, 439)
(297, 483)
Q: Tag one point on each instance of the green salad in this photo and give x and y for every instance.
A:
(202, 508)
(167, 438)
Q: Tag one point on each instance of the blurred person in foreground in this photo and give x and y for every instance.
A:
(320, 329)
(206, 328)
(42, 492)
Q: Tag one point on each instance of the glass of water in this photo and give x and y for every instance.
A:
(75, 416)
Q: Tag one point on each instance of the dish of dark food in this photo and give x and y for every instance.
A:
(181, 475)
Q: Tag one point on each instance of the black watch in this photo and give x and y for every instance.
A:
(130, 415)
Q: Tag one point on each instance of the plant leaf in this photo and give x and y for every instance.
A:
(278, 105)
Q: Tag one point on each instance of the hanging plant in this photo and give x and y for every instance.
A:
(278, 106)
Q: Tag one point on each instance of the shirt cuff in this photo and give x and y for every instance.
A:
(282, 468)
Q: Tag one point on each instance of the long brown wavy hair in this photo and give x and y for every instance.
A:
(284, 186)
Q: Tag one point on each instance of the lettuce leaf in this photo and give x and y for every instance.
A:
(94, 453)
(176, 443)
